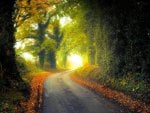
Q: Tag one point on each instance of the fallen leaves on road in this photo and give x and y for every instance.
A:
(112, 94)
(33, 105)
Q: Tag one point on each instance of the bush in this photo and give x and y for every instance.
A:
(129, 84)
(22, 65)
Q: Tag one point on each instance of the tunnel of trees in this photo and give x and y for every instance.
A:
(113, 34)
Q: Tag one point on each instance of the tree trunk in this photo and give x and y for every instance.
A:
(52, 59)
(7, 39)
(42, 58)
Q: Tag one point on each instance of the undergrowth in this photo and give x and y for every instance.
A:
(9, 100)
(128, 84)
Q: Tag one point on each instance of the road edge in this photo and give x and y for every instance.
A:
(119, 97)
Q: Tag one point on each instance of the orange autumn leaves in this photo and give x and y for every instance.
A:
(33, 105)
(25, 9)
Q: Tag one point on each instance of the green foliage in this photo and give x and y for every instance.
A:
(26, 30)
(117, 40)
(128, 84)
(48, 45)
(108, 33)
(9, 101)
(25, 66)
(89, 72)
(57, 33)
(22, 65)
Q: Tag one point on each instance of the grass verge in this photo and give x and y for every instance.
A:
(90, 76)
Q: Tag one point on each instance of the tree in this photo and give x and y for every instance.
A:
(117, 33)
(26, 9)
(37, 13)
(7, 40)
(57, 37)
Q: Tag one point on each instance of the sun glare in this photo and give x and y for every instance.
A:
(75, 61)
(65, 20)
(23, 43)
(28, 56)
(19, 45)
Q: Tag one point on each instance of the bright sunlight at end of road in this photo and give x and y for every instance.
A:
(75, 61)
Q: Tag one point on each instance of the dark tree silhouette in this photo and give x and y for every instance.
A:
(7, 54)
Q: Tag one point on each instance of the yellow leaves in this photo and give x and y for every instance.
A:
(34, 8)
(21, 3)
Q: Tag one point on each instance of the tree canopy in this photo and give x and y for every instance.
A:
(112, 34)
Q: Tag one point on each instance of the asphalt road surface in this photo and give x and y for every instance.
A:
(62, 95)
